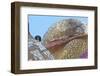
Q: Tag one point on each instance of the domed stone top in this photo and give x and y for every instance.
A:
(66, 39)
(66, 27)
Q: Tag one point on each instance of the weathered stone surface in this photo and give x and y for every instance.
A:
(66, 29)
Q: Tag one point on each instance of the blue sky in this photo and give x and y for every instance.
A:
(39, 24)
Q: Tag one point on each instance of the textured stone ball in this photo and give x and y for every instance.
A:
(66, 27)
